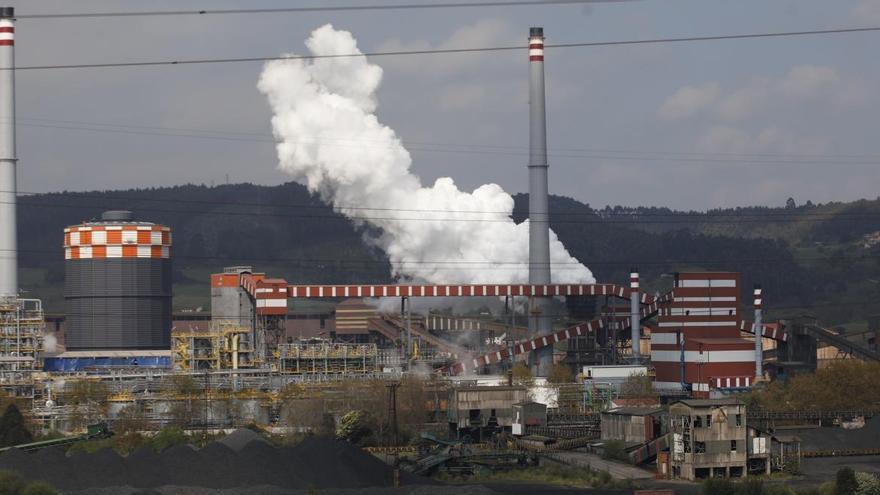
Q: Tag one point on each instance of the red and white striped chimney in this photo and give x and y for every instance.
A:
(635, 314)
(8, 242)
(759, 332)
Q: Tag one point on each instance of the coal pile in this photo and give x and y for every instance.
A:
(827, 438)
(242, 459)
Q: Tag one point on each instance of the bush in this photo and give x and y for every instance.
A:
(12, 428)
(11, 483)
(168, 437)
(867, 484)
(718, 486)
(779, 489)
(750, 487)
(39, 488)
(827, 488)
(128, 442)
(846, 483)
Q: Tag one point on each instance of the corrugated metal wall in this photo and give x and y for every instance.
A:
(118, 303)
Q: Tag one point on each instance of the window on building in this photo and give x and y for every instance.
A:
(708, 421)
(733, 445)
(698, 421)
(699, 447)
(739, 420)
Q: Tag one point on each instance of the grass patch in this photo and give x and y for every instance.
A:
(556, 474)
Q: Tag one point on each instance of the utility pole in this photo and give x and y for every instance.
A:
(392, 411)
(206, 407)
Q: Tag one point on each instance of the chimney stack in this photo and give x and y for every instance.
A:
(540, 321)
(635, 313)
(8, 243)
(759, 332)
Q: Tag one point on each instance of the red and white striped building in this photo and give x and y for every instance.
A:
(699, 332)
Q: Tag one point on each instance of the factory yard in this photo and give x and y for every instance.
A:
(242, 459)
(242, 463)
(617, 469)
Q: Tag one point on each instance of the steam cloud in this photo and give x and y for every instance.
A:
(331, 141)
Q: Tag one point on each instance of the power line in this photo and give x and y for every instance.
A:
(326, 8)
(407, 142)
(323, 141)
(440, 51)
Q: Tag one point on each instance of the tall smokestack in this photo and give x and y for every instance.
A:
(8, 244)
(635, 313)
(759, 333)
(540, 322)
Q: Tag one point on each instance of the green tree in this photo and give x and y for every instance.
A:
(522, 375)
(846, 483)
(358, 428)
(13, 430)
(559, 374)
(638, 386)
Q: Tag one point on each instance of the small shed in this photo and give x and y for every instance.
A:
(528, 413)
(785, 452)
(633, 425)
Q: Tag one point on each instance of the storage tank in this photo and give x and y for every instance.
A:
(117, 284)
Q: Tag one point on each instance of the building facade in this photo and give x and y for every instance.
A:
(709, 439)
(697, 345)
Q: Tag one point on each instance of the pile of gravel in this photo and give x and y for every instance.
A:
(239, 439)
(241, 459)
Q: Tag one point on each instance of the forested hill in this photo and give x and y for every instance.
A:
(822, 257)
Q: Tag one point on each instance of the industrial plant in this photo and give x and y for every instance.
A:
(261, 355)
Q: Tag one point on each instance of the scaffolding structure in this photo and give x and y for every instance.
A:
(21, 345)
(224, 347)
(326, 358)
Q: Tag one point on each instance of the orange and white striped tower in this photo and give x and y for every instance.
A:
(8, 158)
(117, 284)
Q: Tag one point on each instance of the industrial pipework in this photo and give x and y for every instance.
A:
(8, 243)
(540, 322)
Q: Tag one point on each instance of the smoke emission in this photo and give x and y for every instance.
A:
(331, 140)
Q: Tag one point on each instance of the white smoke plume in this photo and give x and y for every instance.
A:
(331, 140)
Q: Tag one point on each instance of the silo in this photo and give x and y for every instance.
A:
(117, 284)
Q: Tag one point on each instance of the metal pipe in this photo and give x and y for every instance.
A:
(759, 348)
(539, 215)
(8, 158)
(635, 314)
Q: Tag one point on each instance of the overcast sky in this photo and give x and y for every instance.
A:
(686, 125)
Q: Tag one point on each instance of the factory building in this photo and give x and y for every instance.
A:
(478, 410)
(117, 286)
(697, 345)
(709, 439)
